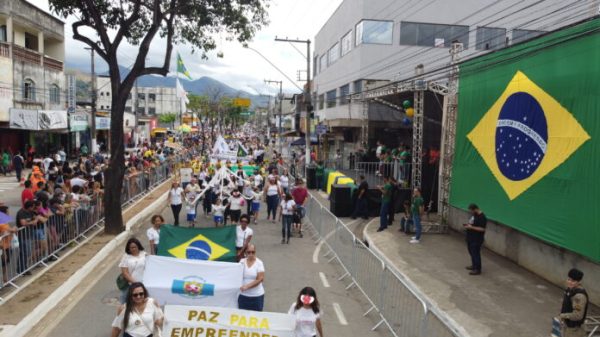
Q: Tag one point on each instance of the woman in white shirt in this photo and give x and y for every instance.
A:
(243, 236)
(236, 203)
(252, 296)
(140, 316)
(176, 197)
(284, 180)
(307, 313)
(272, 191)
(132, 264)
(288, 206)
(153, 232)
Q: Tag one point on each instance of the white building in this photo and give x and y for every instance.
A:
(367, 43)
(32, 81)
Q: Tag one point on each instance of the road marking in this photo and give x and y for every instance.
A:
(340, 314)
(324, 280)
(318, 248)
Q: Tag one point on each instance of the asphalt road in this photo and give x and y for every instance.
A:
(288, 269)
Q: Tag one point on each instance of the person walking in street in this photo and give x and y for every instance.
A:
(18, 163)
(475, 229)
(416, 209)
(300, 195)
(360, 208)
(386, 195)
(133, 264)
(307, 311)
(574, 306)
(153, 233)
(252, 293)
(5, 162)
(139, 316)
(243, 235)
(288, 206)
(176, 197)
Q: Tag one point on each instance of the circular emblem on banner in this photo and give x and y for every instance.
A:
(198, 250)
(521, 136)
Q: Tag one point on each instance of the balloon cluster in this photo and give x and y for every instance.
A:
(409, 111)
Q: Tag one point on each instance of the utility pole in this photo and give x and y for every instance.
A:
(280, 112)
(135, 113)
(93, 94)
(307, 100)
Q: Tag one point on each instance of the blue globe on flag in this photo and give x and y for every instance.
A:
(198, 250)
(521, 136)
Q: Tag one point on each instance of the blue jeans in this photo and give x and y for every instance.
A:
(319, 182)
(418, 228)
(474, 248)
(286, 226)
(383, 215)
(405, 225)
(272, 202)
(254, 303)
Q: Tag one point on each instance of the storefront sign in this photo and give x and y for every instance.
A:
(102, 123)
(23, 119)
(52, 119)
(79, 122)
(203, 321)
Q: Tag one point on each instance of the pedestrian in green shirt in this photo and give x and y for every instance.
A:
(417, 209)
(386, 197)
(320, 171)
(5, 162)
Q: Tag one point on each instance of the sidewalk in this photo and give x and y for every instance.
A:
(505, 301)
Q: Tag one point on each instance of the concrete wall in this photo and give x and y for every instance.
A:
(43, 79)
(546, 260)
(6, 93)
(28, 15)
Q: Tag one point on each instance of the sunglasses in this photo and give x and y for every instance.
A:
(250, 252)
(138, 294)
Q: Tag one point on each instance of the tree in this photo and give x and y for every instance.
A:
(104, 24)
(168, 118)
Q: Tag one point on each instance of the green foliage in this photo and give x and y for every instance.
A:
(167, 118)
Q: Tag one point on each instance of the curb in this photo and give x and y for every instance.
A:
(431, 305)
(34, 317)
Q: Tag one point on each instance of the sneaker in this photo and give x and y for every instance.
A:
(469, 267)
(414, 241)
(475, 272)
(413, 238)
(380, 229)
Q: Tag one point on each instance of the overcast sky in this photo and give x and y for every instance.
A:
(239, 68)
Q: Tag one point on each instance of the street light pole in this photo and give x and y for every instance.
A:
(307, 99)
(93, 128)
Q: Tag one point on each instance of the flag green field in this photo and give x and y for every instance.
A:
(526, 149)
(213, 244)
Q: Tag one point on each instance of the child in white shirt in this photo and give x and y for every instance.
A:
(217, 211)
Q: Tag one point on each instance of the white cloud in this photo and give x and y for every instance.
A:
(239, 67)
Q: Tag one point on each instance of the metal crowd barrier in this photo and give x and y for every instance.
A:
(39, 245)
(401, 307)
(375, 171)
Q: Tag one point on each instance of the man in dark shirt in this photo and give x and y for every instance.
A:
(475, 232)
(360, 209)
(26, 221)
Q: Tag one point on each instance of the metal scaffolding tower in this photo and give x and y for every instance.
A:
(449, 134)
(417, 145)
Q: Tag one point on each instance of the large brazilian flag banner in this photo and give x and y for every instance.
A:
(209, 244)
(527, 149)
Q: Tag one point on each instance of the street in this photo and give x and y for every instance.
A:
(288, 269)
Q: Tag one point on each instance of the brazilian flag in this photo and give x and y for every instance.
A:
(181, 67)
(526, 140)
(214, 244)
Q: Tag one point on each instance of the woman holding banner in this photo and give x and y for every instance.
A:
(307, 313)
(140, 316)
(252, 296)
(132, 265)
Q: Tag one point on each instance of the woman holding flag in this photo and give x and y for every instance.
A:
(252, 296)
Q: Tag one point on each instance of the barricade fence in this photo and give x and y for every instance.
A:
(71, 223)
(401, 307)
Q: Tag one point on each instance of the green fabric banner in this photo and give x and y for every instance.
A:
(215, 244)
(526, 149)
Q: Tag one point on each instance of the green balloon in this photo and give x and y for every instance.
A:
(407, 104)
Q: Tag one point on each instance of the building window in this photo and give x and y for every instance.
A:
(520, 35)
(347, 43)
(321, 101)
(101, 93)
(488, 38)
(102, 107)
(140, 110)
(331, 98)
(334, 53)
(28, 90)
(152, 111)
(357, 86)
(152, 98)
(107, 93)
(3, 33)
(141, 96)
(344, 94)
(315, 65)
(323, 62)
(31, 41)
(127, 109)
(374, 32)
(54, 94)
(433, 35)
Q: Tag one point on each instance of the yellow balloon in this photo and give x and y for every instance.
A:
(410, 112)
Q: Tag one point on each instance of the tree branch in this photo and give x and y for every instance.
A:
(135, 15)
(87, 40)
(99, 24)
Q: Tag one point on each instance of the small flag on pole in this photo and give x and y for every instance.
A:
(181, 67)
